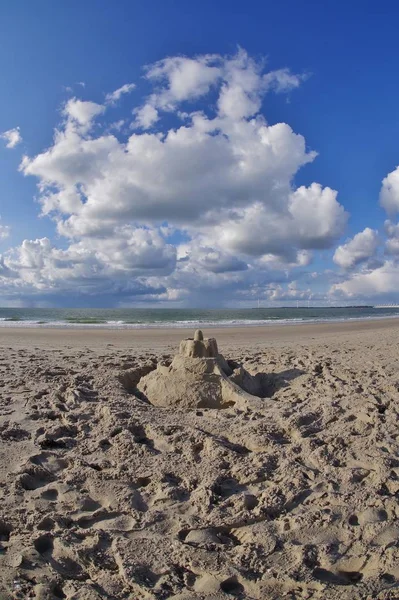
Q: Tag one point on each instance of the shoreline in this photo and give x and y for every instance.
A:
(223, 324)
(194, 321)
(165, 337)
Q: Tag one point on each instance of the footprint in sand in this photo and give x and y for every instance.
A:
(40, 470)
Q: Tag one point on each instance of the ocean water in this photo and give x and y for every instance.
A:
(170, 317)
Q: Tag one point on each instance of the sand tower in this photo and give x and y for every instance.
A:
(199, 377)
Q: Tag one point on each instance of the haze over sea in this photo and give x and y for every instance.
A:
(184, 317)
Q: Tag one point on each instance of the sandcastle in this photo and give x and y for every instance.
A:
(199, 377)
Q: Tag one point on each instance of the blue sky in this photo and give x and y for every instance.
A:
(342, 98)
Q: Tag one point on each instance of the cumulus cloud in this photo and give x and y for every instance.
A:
(392, 243)
(291, 292)
(302, 258)
(240, 80)
(204, 277)
(12, 137)
(355, 251)
(382, 281)
(205, 175)
(181, 78)
(114, 96)
(82, 112)
(210, 259)
(93, 266)
(242, 89)
(222, 178)
(146, 117)
(6, 272)
(377, 277)
(389, 193)
(312, 219)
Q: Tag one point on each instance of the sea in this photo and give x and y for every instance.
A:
(140, 318)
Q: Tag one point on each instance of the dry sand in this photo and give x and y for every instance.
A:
(105, 496)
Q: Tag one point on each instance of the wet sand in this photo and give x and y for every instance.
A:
(159, 338)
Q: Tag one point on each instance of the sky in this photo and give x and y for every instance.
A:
(213, 154)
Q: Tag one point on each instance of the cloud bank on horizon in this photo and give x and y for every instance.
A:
(191, 199)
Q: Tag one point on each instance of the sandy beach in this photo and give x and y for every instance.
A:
(159, 338)
(105, 495)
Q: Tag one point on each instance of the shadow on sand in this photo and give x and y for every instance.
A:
(270, 383)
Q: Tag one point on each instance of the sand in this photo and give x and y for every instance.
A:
(103, 495)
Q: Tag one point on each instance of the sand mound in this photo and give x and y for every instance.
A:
(199, 377)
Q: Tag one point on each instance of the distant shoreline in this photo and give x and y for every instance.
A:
(143, 308)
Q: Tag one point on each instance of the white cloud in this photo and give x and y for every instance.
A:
(223, 182)
(382, 281)
(391, 229)
(302, 258)
(241, 92)
(4, 232)
(392, 243)
(82, 112)
(312, 219)
(116, 263)
(131, 250)
(355, 251)
(206, 175)
(12, 137)
(377, 278)
(185, 78)
(146, 116)
(291, 292)
(210, 259)
(389, 194)
(117, 125)
(283, 80)
(240, 79)
(117, 94)
(392, 246)
(317, 214)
